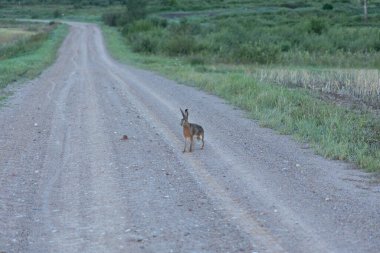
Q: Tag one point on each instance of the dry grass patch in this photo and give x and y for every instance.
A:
(363, 84)
(9, 35)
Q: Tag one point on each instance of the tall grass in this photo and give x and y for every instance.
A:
(9, 35)
(362, 84)
(22, 45)
(31, 63)
(20, 37)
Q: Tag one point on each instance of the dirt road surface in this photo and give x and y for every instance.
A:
(69, 184)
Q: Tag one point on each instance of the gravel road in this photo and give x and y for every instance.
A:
(69, 184)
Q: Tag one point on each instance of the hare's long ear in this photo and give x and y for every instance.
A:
(187, 113)
(183, 114)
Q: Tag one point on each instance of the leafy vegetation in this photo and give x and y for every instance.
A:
(271, 34)
(288, 36)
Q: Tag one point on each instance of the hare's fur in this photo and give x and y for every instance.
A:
(191, 130)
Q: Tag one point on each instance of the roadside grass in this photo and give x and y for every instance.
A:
(332, 131)
(20, 37)
(31, 62)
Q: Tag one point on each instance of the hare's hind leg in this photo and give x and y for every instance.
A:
(184, 149)
(203, 140)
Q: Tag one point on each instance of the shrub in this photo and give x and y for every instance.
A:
(327, 6)
(257, 52)
(317, 43)
(57, 13)
(159, 22)
(111, 18)
(136, 9)
(185, 27)
(224, 41)
(317, 26)
(144, 43)
(180, 45)
(142, 25)
(196, 60)
(285, 46)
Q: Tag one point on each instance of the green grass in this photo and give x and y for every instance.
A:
(29, 64)
(334, 132)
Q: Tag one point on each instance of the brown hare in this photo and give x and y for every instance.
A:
(190, 130)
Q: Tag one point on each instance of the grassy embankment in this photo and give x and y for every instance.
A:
(29, 49)
(193, 51)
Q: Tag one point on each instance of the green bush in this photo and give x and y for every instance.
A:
(355, 39)
(257, 52)
(327, 6)
(142, 25)
(159, 22)
(185, 27)
(111, 18)
(196, 60)
(180, 45)
(317, 43)
(145, 42)
(227, 39)
(136, 9)
(57, 13)
(317, 26)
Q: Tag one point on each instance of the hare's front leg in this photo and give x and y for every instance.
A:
(191, 143)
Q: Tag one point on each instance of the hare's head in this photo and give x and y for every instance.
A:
(185, 116)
